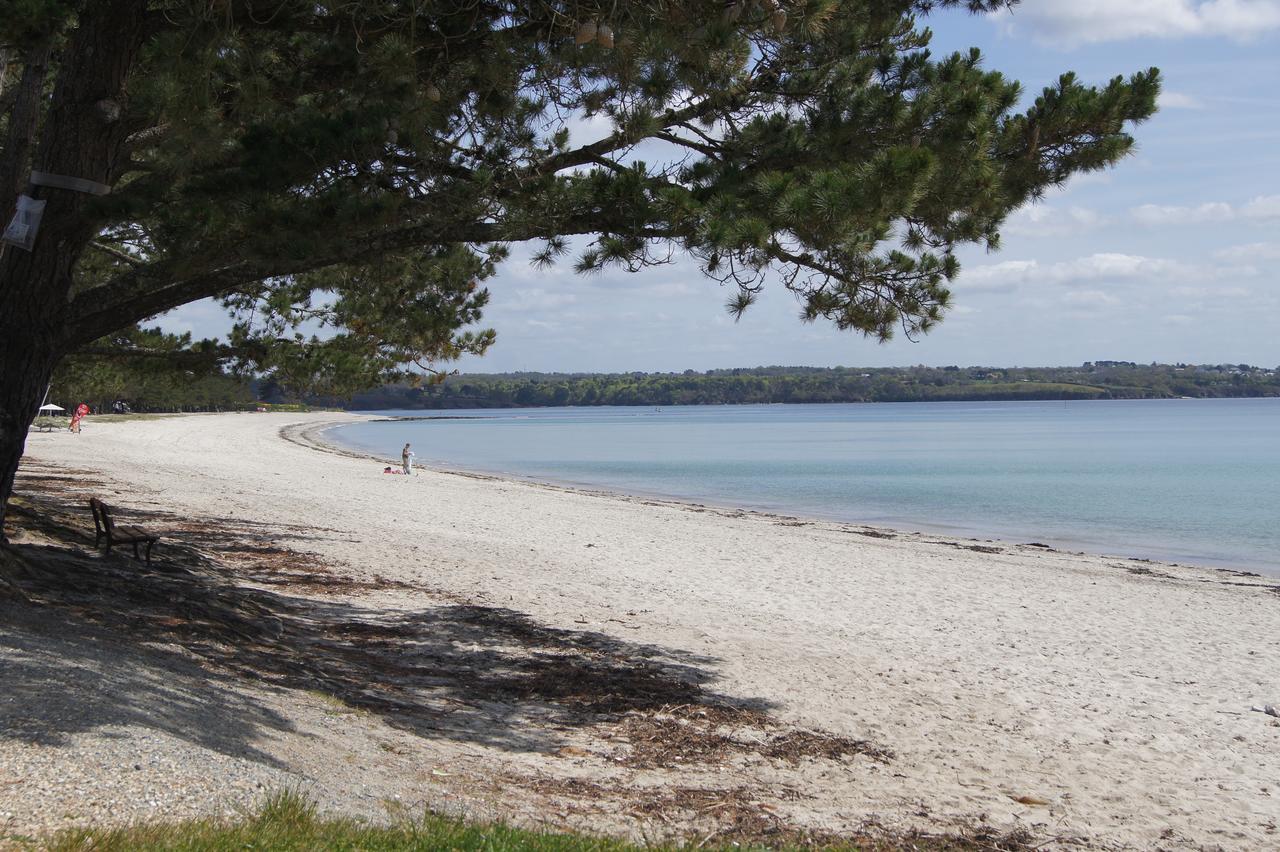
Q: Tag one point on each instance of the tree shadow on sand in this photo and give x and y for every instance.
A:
(243, 606)
(62, 676)
(103, 641)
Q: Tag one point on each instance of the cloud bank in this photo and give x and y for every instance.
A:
(1070, 23)
(1261, 209)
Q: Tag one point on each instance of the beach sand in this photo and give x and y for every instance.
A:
(1085, 698)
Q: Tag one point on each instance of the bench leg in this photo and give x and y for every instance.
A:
(109, 543)
(135, 550)
(149, 551)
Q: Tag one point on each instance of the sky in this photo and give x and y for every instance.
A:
(1171, 256)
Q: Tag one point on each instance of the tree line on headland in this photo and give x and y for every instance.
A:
(180, 376)
(1092, 380)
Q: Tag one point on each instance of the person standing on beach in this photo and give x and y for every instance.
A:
(405, 455)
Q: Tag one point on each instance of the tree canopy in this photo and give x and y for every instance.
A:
(148, 369)
(360, 166)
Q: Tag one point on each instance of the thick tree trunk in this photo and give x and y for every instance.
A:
(28, 362)
(23, 121)
(82, 136)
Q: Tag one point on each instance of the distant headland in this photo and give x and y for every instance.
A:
(757, 385)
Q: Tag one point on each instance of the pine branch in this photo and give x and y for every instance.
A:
(706, 150)
(159, 286)
(117, 253)
(621, 139)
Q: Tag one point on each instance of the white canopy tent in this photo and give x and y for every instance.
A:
(51, 407)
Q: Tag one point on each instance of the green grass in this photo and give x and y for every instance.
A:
(290, 407)
(61, 423)
(288, 821)
(123, 418)
(49, 422)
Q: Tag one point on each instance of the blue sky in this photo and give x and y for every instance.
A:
(1171, 256)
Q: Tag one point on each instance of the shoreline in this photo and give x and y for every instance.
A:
(1089, 700)
(904, 527)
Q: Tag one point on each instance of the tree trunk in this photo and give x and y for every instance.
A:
(23, 121)
(82, 136)
(28, 363)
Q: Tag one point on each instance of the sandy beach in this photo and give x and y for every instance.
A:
(1094, 701)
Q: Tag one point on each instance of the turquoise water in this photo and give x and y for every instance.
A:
(1194, 481)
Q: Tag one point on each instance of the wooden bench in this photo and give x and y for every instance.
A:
(105, 527)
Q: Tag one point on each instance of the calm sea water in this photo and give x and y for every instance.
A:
(1194, 481)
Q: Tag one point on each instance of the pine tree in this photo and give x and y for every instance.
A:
(363, 164)
(152, 370)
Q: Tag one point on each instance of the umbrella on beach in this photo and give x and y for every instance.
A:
(51, 407)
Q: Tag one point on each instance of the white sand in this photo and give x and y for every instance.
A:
(1120, 699)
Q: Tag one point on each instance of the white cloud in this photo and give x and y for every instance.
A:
(1040, 220)
(1089, 299)
(1109, 268)
(1113, 266)
(1263, 207)
(997, 277)
(537, 298)
(1249, 251)
(583, 130)
(205, 318)
(1210, 293)
(1068, 23)
(1156, 214)
(1179, 100)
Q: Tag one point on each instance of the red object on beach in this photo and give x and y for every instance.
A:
(81, 411)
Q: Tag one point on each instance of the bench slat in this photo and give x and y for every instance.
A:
(126, 533)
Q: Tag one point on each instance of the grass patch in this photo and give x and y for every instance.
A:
(288, 821)
(124, 418)
(335, 706)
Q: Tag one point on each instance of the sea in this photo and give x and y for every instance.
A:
(1195, 481)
